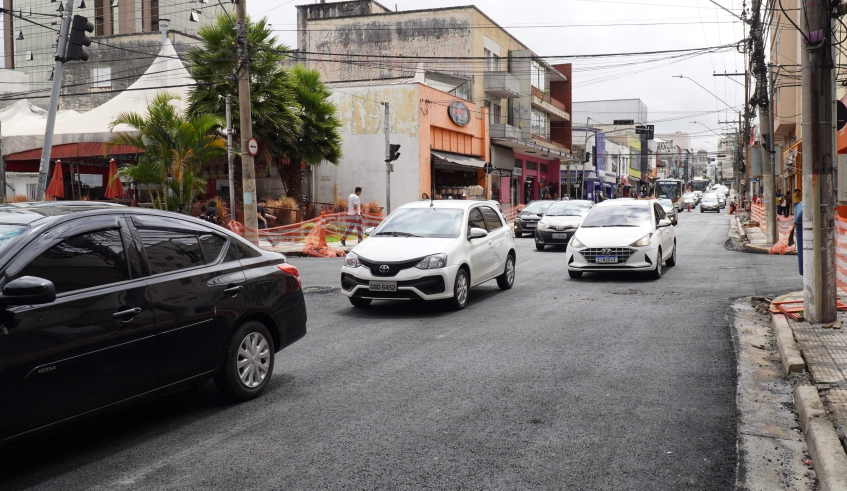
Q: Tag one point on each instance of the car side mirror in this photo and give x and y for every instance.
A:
(664, 222)
(477, 233)
(369, 230)
(28, 290)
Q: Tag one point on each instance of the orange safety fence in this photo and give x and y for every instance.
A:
(785, 227)
(840, 252)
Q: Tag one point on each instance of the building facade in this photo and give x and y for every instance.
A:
(461, 52)
(30, 48)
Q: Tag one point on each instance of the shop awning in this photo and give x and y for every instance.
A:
(456, 161)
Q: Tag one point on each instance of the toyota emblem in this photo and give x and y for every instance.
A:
(384, 268)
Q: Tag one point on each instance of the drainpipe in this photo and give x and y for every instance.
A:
(163, 26)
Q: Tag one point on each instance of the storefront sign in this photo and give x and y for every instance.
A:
(459, 113)
(517, 172)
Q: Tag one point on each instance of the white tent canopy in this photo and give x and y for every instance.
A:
(23, 124)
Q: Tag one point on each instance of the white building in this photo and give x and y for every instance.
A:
(608, 111)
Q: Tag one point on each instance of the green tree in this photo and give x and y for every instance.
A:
(174, 146)
(318, 138)
(214, 65)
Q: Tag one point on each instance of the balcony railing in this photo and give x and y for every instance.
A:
(504, 131)
(502, 84)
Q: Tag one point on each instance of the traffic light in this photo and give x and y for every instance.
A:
(587, 157)
(77, 39)
(393, 152)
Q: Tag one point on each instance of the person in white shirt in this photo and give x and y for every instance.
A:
(354, 215)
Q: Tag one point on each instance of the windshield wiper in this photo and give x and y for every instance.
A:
(398, 234)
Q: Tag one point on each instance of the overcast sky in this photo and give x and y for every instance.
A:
(577, 27)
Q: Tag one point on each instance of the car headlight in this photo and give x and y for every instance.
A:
(643, 241)
(543, 226)
(352, 260)
(434, 261)
(576, 243)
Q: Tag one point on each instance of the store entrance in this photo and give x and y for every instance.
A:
(527, 190)
(457, 184)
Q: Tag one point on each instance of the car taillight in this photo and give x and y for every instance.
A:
(290, 269)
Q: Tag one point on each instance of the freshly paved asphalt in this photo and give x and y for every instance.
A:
(608, 382)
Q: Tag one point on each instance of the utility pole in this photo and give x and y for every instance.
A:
(248, 169)
(769, 168)
(229, 159)
(2, 171)
(62, 46)
(568, 166)
(819, 288)
(388, 164)
(765, 121)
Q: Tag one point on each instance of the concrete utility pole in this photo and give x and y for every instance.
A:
(765, 121)
(44, 168)
(388, 164)
(229, 159)
(2, 171)
(769, 170)
(819, 288)
(248, 169)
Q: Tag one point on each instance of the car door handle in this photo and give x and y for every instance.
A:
(233, 290)
(126, 313)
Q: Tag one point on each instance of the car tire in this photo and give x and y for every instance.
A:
(518, 235)
(672, 260)
(461, 290)
(539, 247)
(360, 303)
(575, 274)
(239, 383)
(506, 280)
(701, 210)
(657, 272)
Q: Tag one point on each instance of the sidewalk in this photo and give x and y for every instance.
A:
(753, 239)
(295, 249)
(823, 352)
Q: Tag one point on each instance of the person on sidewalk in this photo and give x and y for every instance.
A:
(798, 230)
(263, 216)
(180, 208)
(354, 216)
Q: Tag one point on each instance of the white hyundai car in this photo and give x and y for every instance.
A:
(431, 250)
(629, 235)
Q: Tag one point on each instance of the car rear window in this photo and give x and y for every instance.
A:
(212, 245)
(170, 250)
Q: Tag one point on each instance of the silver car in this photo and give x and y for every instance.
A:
(670, 209)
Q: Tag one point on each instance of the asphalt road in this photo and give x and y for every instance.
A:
(607, 382)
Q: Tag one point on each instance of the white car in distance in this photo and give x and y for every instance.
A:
(431, 250)
(623, 236)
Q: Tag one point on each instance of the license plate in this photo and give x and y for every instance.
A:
(529, 225)
(382, 286)
(560, 236)
(607, 259)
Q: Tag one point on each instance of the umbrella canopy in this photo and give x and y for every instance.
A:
(114, 189)
(56, 189)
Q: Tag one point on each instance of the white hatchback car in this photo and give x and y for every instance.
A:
(431, 250)
(623, 236)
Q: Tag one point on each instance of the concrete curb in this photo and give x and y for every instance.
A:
(756, 249)
(792, 361)
(825, 448)
(742, 234)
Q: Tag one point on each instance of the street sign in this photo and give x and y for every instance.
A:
(488, 168)
(842, 114)
(623, 122)
(253, 146)
(742, 182)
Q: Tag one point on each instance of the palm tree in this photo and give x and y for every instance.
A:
(214, 65)
(318, 139)
(175, 147)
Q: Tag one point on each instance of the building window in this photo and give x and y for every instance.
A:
(463, 91)
(540, 123)
(531, 165)
(518, 163)
(492, 61)
(495, 114)
(538, 75)
(102, 77)
(543, 167)
(30, 191)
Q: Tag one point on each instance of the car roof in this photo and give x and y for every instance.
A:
(571, 201)
(459, 204)
(625, 202)
(29, 212)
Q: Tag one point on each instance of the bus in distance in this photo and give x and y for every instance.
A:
(699, 184)
(670, 189)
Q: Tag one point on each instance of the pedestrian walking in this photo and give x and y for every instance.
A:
(798, 231)
(212, 212)
(180, 208)
(263, 216)
(354, 216)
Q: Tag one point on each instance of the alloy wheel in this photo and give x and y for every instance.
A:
(462, 288)
(253, 360)
(510, 270)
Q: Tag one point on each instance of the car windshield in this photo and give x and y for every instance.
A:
(687, 196)
(427, 222)
(8, 233)
(568, 209)
(668, 190)
(618, 216)
(666, 204)
(538, 206)
(709, 198)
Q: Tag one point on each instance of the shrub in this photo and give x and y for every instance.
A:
(19, 198)
(340, 206)
(372, 208)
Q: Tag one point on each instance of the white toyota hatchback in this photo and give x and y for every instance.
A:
(431, 250)
(623, 235)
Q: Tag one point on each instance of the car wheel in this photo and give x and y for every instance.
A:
(575, 274)
(672, 260)
(360, 303)
(507, 279)
(518, 235)
(539, 247)
(249, 363)
(657, 273)
(461, 289)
